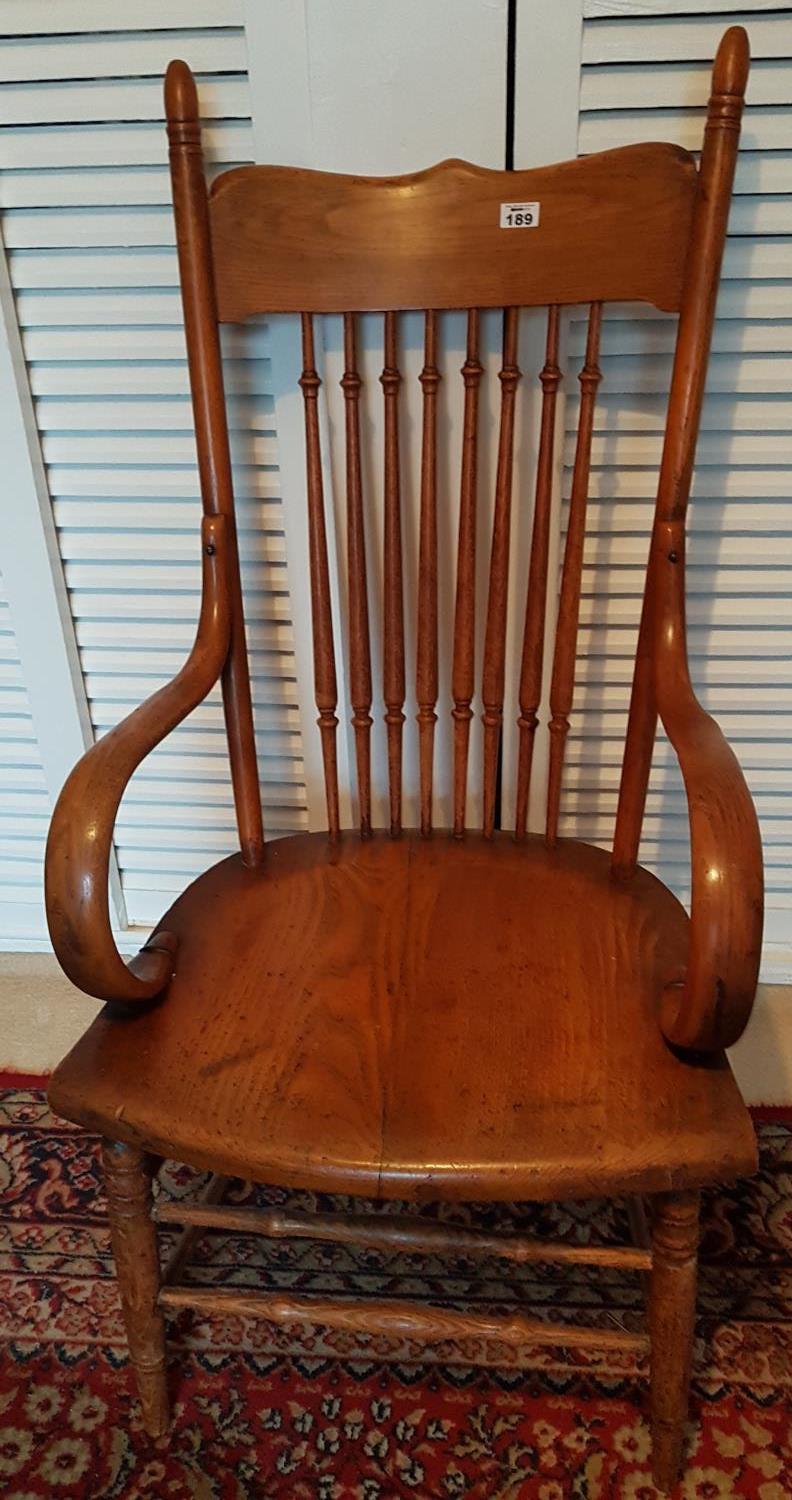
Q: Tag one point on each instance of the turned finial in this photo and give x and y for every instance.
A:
(181, 95)
(732, 62)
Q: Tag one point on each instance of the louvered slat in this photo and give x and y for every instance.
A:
(102, 321)
(643, 77)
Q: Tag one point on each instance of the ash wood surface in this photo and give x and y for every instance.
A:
(426, 686)
(494, 671)
(393, 678)
(712, 997)
(401, 1319)
(357, 587)
(128, 1187)
(293, 240)
(198, 289)
(312, 1060)
(81, 832)
(694, 334)
(536, 596)
(672, 1309)
(563, 680)
(326, 691)
(403, 1233)
(463, 671)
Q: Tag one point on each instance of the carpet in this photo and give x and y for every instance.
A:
(322, 1416)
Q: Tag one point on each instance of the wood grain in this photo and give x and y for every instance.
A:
(312, 1060)
(532, 662)
(198, 290)
(290, 240)
(565, 653)
(694, 334)
(709, 1003)
(672, 1310)
(81, 832)
(426, 686)
(357, 586)
(401, 1319)
(325, 689)
(494, 671)
(393, 592)
(463, 671)
(413, 1235)
(134, 1240)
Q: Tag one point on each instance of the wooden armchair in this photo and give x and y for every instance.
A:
(432, 1014)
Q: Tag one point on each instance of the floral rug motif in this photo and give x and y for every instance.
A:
(260, 1412)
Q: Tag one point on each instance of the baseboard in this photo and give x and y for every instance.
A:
(12, 1079)
(42, 1015)
(762, 1059)
(771, 1114)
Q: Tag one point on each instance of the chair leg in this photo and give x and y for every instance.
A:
(672, 1308)
(134, 1238)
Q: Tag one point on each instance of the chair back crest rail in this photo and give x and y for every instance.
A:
(641, 223)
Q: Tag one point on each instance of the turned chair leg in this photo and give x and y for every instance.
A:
(134, 1238)
(672, 1308)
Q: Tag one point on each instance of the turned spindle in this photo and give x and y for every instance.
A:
(426, 674)
(562, 685)
(357, 588)
(325, 690)
(497, 598)
(463, 669)
(536, 597)
(393, 592)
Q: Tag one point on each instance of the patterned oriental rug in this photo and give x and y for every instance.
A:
(320, 1416)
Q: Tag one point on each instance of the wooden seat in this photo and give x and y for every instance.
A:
(452, 1013)
(369, 1041)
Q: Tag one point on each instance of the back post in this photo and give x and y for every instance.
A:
(211, 431)
(694, 336)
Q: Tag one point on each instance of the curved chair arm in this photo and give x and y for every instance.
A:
(707, 1008)
(81, 832)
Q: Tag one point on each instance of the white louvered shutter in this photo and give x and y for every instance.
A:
(24, 800)
(88, 227)
(645, 76)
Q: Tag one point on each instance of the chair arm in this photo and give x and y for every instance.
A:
(708, 1007)
(81, 832)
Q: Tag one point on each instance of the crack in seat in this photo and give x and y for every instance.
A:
(418, 1018)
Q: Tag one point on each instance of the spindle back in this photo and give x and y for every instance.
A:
(637, 224)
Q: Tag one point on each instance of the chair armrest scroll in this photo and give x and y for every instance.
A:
(708, 1007)
(81, 833)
